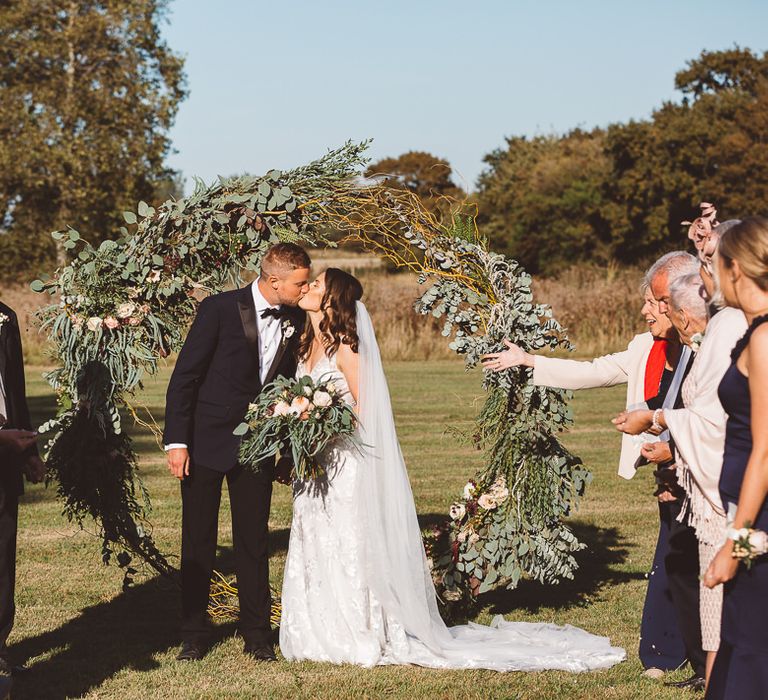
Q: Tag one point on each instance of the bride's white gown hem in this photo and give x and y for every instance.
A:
(357, 588)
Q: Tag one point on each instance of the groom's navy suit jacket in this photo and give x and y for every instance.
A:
(217, 376)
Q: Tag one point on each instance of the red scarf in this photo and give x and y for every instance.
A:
(654, 368)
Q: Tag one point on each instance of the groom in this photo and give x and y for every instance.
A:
(239, 342)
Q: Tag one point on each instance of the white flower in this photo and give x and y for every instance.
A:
(94, 323)
(457, 511)
(758, 542)
(307, 390)
(253, 408)
(469, 490)
(696, 340)
(322, 399)
(487, 501)
(126, 310)
(331, 388)
(282, 408)
(4, 319)
(153, 276)
(288, 329)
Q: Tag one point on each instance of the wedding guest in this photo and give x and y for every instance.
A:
(698, 430)
(649, 366)
(741, 667)
(18, 457)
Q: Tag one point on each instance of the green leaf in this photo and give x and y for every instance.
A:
(37, 286)
(143, 208)
(241, 429)
(130, 217)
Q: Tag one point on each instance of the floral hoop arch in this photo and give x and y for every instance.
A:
(122, 306)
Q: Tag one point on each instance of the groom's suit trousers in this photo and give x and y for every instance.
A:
(249, 497)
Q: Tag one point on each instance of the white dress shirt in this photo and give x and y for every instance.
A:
(270, 335)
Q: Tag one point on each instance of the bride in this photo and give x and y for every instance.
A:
(357, 588)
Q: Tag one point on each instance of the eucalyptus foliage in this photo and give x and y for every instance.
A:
(119, 308)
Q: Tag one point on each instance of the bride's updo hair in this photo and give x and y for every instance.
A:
(339, 324)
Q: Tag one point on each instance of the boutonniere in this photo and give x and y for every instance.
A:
(4, 318)
(696, 340)
(288, 329)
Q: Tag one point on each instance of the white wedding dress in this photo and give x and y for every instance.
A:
(357, 588)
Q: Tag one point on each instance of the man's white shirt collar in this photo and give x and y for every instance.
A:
(258, 299)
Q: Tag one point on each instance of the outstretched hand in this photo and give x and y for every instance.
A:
(633, 422)
(657, 452)
(513, 356)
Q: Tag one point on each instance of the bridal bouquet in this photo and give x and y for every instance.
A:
(299, 416)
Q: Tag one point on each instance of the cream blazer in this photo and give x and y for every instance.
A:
(619, 368)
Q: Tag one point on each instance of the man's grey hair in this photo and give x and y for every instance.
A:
(676, 264)
(687, 294)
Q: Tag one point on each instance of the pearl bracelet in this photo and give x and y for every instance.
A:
(656, 425)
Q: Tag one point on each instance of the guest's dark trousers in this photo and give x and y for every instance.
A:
(9, 512)
(682, 564)
(249, 497)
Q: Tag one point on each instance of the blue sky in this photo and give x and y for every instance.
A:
(275, 84)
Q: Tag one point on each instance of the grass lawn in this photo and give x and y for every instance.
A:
(83, 637)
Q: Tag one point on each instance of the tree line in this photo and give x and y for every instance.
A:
(89, 91)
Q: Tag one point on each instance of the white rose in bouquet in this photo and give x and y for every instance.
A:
(282, 408)
(126, 310)
(94, 323)
(322, 399)
(457, 511)
(469, 490)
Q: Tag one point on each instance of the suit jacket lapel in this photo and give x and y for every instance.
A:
(247, 310)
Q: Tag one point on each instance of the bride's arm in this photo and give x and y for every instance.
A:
(348, 362)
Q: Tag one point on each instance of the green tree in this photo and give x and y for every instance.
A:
(620, 194)
(88, 91)
(540, 200)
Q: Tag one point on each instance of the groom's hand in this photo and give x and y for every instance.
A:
(178, 462)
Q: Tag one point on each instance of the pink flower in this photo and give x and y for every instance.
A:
(111, 322)
(299, 405)
(487, 501)
(134, 321)
(282, 408)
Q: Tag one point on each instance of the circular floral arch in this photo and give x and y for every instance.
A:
(121, 307)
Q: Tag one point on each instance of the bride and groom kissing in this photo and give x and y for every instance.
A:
(357, 587)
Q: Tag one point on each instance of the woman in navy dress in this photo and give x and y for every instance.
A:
(741, 666)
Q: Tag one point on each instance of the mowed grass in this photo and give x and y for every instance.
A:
(83, 637)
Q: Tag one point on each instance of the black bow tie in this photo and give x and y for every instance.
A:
(277, 313)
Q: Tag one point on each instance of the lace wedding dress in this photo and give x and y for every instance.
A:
(357, 588)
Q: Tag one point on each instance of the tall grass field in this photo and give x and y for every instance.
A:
(81, 636)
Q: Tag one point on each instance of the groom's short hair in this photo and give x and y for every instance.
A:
(284, 257)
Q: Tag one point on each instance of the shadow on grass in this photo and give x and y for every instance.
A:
(124, 633)
(605, 550)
